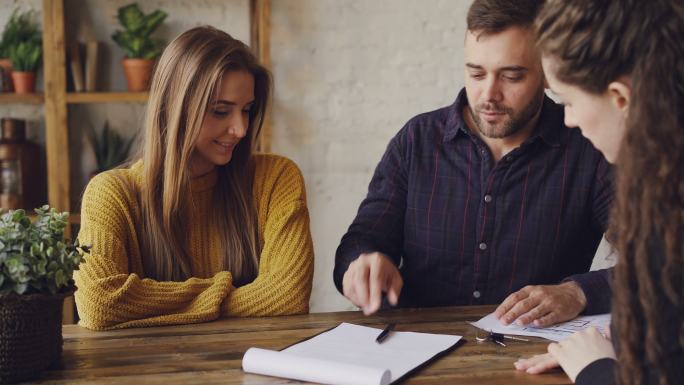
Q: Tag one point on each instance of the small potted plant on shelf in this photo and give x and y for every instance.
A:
(36, 269)
(140, 47)
(25, 58)
(111, 148)
(22, 27)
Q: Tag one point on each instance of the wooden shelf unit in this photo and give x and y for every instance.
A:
(106, 97)
(10, 97)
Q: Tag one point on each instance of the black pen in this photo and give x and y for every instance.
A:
(383, 334)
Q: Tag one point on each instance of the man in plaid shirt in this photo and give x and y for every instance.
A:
(491, 200)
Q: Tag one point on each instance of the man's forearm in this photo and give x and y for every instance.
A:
(350, 248)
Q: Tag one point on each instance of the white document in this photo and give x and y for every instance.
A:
(349, 355)
(557, 332)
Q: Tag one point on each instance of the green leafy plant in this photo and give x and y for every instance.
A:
(34, 256)
(110, 148)
(136, 38)
(25, 56)
(21, 27)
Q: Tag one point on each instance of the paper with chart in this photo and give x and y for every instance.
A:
(349, 355)
(557, 332)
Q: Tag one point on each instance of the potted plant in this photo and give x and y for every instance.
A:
(36, 269)
(111, 148)
(25, 58)
(21, 27)
(141, 49)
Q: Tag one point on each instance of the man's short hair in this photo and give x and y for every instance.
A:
(493, 16)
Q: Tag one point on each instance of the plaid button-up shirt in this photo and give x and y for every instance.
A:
(467, 230)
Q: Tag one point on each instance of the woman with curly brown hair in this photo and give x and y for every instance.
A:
(617, 66)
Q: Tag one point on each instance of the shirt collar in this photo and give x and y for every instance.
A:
(455, 124)
(549, 127)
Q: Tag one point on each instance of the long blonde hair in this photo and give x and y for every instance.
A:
(184, 82)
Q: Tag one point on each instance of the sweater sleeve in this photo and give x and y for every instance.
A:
(111, 293)
(284, 280)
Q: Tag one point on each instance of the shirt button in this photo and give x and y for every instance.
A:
(483, 246)
(476, 294)
(487, 198)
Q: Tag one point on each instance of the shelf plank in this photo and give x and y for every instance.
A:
(57, 133)
(260, 40)
(9, 97)
(106, 97)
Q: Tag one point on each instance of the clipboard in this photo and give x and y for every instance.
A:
(348, 355)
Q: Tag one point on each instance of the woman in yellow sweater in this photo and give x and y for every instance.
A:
(200, 227)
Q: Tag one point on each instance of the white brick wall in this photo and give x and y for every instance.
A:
(348, 75)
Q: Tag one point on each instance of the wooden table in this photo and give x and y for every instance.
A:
(211, 353)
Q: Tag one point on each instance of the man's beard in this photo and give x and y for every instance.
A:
(513, 123)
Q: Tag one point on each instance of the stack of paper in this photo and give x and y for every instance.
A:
(349, 355)
(555, 333)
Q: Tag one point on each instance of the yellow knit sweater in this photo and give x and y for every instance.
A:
(112, 292)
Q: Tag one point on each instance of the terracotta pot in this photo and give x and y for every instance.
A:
(6, 65)
(138, 73)
(24, 82)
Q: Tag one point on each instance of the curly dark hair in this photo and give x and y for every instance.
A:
(595, 42)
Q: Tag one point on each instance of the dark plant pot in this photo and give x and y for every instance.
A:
(24, 82)
(30, 334)
(138, 73)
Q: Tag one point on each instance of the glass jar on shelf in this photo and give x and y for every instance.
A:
(22, 169)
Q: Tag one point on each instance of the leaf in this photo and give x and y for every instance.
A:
(153, 21)
(102, 143)
(52, 266)
(25, 55)
(60, 278)
(118, 37)
(20, 288)
(131, 17)
(136, 45)
(17, 215)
